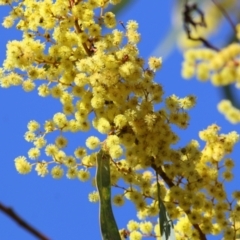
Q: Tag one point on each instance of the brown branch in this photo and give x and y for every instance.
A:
(10, 213)
(204, 42)
(79, 30)
(189, 22)
(170, 184)
(163, 175)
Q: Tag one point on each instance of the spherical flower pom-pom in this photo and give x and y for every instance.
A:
(233, 137)
(147, 175)
(56, 91)
(118, 200)
(155, 63)
(86, 160)
(60, 119)
(60, 156)
(187, 102)
(40, 142)
(49, 126)
(146, 227)
(22, 165)
(92, 142)
(116, 151)
(83, 175)
(43, 90)
(132, 225)
(29, 136)
(83, 37)
(80, 152)
(68, 108)
(41, 168)
(194, 217)
(33, 153)
(85, 125)
(95, 30)
(150, 120)
(227, 176)
(236, 195)
(229, 163)
(72, 173)
(133, 36)
(81, 115)
(172, 102)
(128, 139)
(103, 125)
(117, 37)
(112, 140)
(97, 102)
(120, 121)
(127, 69)
(33, 126)
(61, 142)
(203, 72)
(229, 233)
(135, 235)
(132, 25)
(188, 70)
(57, 172)
(78, 91)
(101, 45)
(109, 20)
(203, 135)
(73, 126)
(93, 197)
(88, 15)
(8, 22)
(28, 85)
(190, 56)
(66, 98)
(51, 150)
(224, 106)
(70, 161)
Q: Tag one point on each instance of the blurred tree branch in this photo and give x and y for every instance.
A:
(15, 217)
(226, 91)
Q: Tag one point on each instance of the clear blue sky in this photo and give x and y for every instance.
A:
(60, 208)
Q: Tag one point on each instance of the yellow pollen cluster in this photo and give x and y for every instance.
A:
(94, 69)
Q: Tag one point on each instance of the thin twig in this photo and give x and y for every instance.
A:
(189, 22)
(15, 217)
(79, 30)
(225, 14)
(204, 42)
(170, 184)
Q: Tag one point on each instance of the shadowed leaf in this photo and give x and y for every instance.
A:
(107, 221)
(165, 223)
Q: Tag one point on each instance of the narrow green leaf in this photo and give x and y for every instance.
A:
(168, 231)
(108, 224)
(162, 211)
(165, 224)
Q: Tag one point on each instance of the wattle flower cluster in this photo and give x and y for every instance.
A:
(103, 83)
(220, 67)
